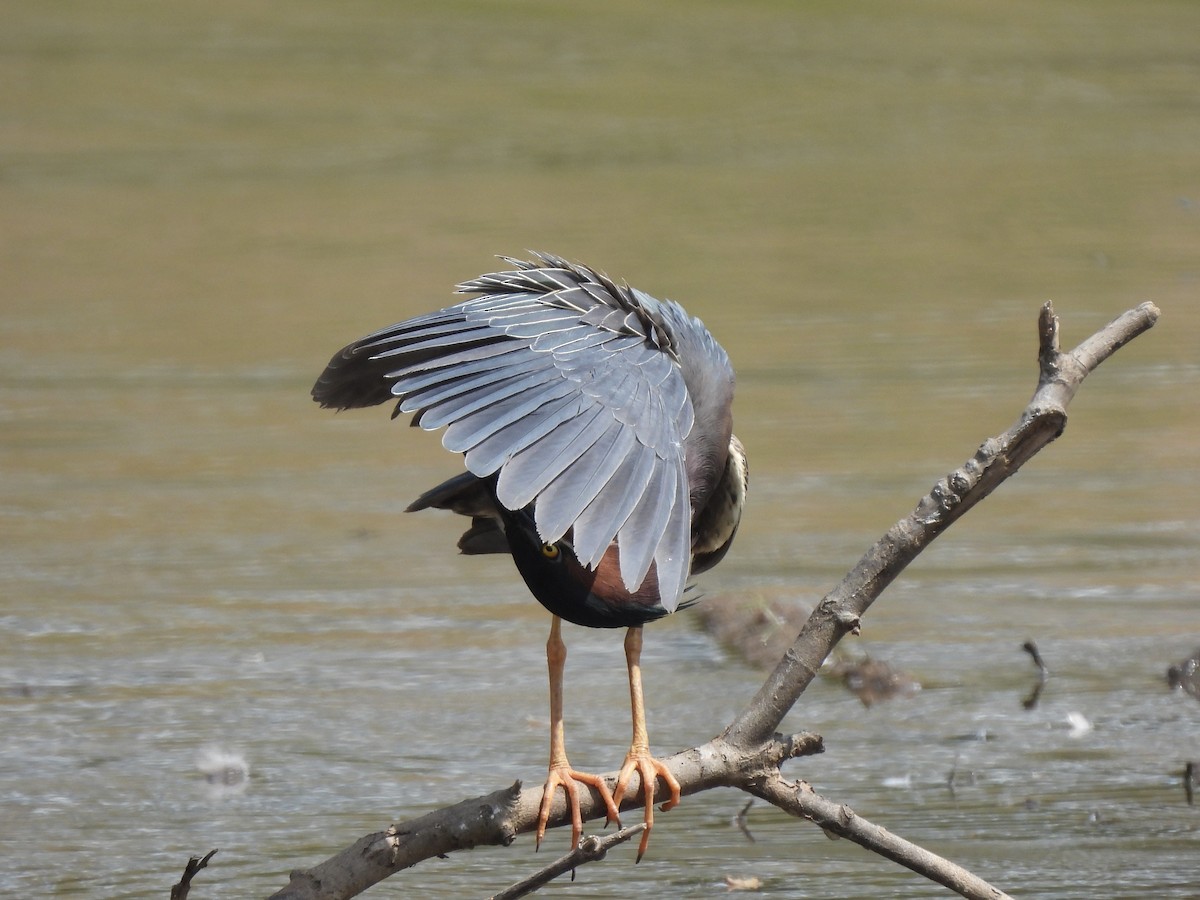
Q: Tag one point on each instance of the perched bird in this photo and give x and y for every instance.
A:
(596, 427)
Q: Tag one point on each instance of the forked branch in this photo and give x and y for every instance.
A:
(748, 754)
(998, 458)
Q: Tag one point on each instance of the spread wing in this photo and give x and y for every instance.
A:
(569, 387)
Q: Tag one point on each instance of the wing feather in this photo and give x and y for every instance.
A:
(492, 436)
(559, 504)
(529, 472)
(673, 555)
(568, 385)
(425, 386)
(639, 537)
(595, 528)
(451, 404)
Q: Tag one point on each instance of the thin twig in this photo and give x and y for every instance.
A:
(590, 849)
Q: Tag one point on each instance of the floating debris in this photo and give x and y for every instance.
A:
(743, 884)
(1079, 723)
(873, 680)
(1185, 675)
(758, 629)
(226, 771)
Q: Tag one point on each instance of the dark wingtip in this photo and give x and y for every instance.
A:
(352, 379)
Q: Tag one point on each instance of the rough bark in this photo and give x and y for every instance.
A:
(748, 753)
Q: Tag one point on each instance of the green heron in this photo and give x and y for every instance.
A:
(596, 427)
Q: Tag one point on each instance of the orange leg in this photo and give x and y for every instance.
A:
(639, 759)
(561, 773)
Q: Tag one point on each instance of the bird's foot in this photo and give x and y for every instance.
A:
(649, 770)
(569, 780)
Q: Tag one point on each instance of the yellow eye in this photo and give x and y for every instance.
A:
(550, 551)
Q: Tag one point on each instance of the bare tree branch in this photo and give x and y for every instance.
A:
(799, 799)
(497, 818)
(998, 458)
(748, 754)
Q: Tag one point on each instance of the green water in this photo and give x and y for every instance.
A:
(866, 203)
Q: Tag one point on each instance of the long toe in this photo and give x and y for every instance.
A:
(569, 780)
(649, 770)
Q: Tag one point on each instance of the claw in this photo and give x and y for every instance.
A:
(568, 779)
(649, 770)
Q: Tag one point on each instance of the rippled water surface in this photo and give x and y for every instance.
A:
(199, 570)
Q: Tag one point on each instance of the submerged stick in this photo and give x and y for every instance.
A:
(194, 864)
